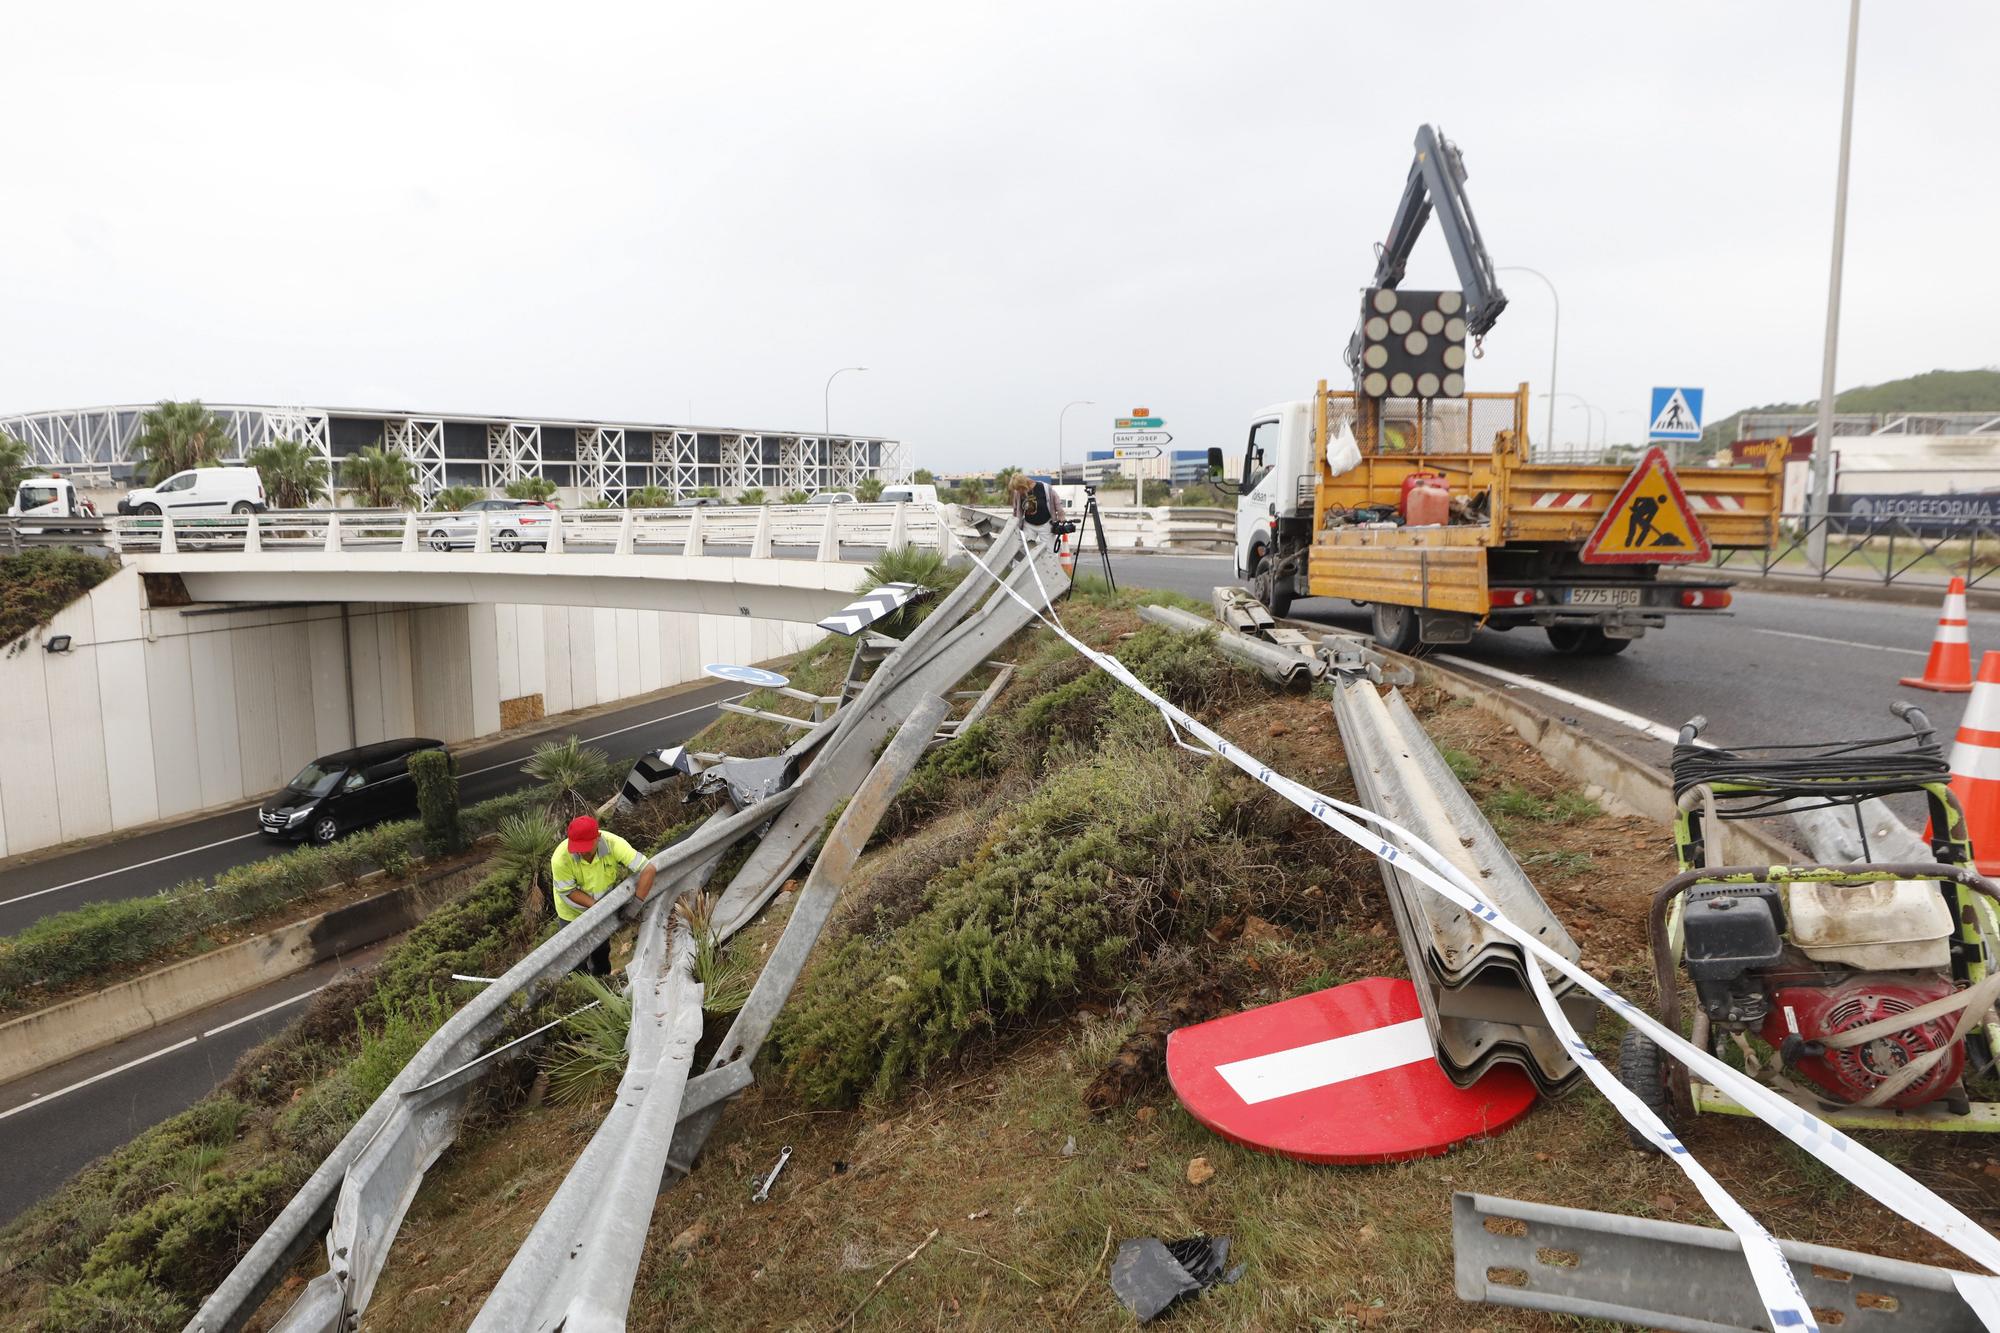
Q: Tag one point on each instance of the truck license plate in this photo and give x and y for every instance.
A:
(1604, 597)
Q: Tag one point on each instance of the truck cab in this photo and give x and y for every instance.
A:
(49, 498)
(1274, 506)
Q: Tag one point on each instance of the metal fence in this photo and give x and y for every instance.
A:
(1879, 551)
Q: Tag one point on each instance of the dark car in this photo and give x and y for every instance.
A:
(339, 792)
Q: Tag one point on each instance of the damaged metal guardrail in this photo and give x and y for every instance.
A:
(664, 1111)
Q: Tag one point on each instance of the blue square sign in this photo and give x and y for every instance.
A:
(1676, 414)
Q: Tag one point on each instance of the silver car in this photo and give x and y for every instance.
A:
(510, 525)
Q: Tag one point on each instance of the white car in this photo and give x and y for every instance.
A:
(199, 490)
(510, 525)
(833, 498)
(914, 493)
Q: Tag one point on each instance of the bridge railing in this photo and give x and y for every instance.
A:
(823, 532)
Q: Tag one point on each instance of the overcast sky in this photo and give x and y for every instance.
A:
(666, 212)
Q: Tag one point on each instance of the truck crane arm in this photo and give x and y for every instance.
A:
(1437, 180)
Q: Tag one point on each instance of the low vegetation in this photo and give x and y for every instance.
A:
(37, 584)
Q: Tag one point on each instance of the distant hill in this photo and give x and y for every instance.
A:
(1932, 391)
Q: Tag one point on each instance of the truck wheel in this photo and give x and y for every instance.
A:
(1642, 1068)
(1606, 646)
(1273, 592)
(1396, 627)
(1584, 641)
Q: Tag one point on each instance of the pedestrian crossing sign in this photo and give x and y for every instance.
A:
(1676, 414)
(1650, 521)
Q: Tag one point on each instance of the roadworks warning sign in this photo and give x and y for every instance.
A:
(1649, 521)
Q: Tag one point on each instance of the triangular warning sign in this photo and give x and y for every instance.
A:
(1676, 419)
(1649, 521)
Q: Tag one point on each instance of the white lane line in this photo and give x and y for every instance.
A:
(1844, 643)
(41, 1099)
(1643, 725)
(267, 1009)
(137, 865)
(64, 1092)
(223, 842)
(1261, 1078)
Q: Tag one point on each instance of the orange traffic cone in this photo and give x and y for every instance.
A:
(1975, 766)
(1066, 553)
(1949, 667)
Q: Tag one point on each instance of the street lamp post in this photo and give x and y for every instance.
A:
(826, 398)
(1555, 339)
(1588, 419)
(1081, 402)
(1822, 452)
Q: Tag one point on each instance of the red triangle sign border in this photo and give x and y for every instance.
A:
(1701, 550)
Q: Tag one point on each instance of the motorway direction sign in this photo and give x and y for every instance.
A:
(1140, 423)
(1132, 438)
(1676, 413)
(1135, 451)
(1341, 1075)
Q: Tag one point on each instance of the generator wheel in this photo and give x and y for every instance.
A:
(1642, 1068)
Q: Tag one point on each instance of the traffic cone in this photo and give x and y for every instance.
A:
(1066, 553)
(1975, 766)
(1949, 668)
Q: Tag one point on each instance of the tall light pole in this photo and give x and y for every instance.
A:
(1822, 454)
(1555, 338)
(826, 398)
(1588, 409)
(1081, 402)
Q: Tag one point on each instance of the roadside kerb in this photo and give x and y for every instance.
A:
(35, 1041)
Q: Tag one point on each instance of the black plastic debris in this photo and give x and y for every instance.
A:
(1150, 1275)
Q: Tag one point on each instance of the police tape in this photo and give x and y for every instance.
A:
(1776, 1285)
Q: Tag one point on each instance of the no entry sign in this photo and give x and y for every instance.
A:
(1345, 1075)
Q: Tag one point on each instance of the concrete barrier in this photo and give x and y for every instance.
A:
(60, 1032)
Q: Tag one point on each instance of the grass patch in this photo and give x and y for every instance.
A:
(1464, 765)
(1562, 807)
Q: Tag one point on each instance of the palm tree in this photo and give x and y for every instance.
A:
(294, 476)
(868, 490)
(14, 465)
(969, 492)
(539, 489)
(923, 476)
(648, 497)
(1002, 477)
(574, 778)
(795, 498)
(382, 479)
(708, 492)
(753, 496)
(177, 436)
(454, 498)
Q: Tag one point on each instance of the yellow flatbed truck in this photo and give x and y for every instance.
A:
(1518, 548)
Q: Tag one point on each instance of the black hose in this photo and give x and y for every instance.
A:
(1824, 775)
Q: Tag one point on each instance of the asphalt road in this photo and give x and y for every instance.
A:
(1782, 668)
(86, 1107)
(148, 862)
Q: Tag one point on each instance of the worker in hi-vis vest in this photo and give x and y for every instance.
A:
(586, 865)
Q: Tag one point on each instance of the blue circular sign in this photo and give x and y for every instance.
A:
(743, 675)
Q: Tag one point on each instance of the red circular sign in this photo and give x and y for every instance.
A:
(1343, 1075)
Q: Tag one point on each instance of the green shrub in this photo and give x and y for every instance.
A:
(186, 1241)
(575, 777)
(60, 949)
(37, 584)
(910, 564)
(592, 1057)
(118, 1299)
(435, 774)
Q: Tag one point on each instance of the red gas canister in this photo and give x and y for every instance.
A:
(1427, 504)
(1410, 482)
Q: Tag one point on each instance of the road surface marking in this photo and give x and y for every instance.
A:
(1844, 643)
(1643, 725)
(267, 1009)
(43, 1098)
(1261, 1078)
(141, 865)
(223, 842)
(64, 1092)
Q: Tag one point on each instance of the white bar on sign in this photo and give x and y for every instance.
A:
(1335, 1060)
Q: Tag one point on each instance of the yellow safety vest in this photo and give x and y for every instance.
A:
(596, 877)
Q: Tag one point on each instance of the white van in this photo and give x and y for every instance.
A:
(909, 493)
(200, 490)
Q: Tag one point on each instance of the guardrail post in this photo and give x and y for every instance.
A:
(760, 545)
(829, 537)
(253, 543)
(624, 543)
(555, 542)
(693, 546)
(333, 530)
(167, 546)
(897, 534)
(482, 543)
(410, 533)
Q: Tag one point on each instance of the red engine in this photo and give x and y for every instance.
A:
(1816, 1012)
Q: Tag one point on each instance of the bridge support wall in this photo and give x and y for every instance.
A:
(156, 713)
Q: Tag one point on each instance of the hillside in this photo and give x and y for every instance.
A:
(1932, 391)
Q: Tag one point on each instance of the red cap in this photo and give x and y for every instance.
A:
(582, 835)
